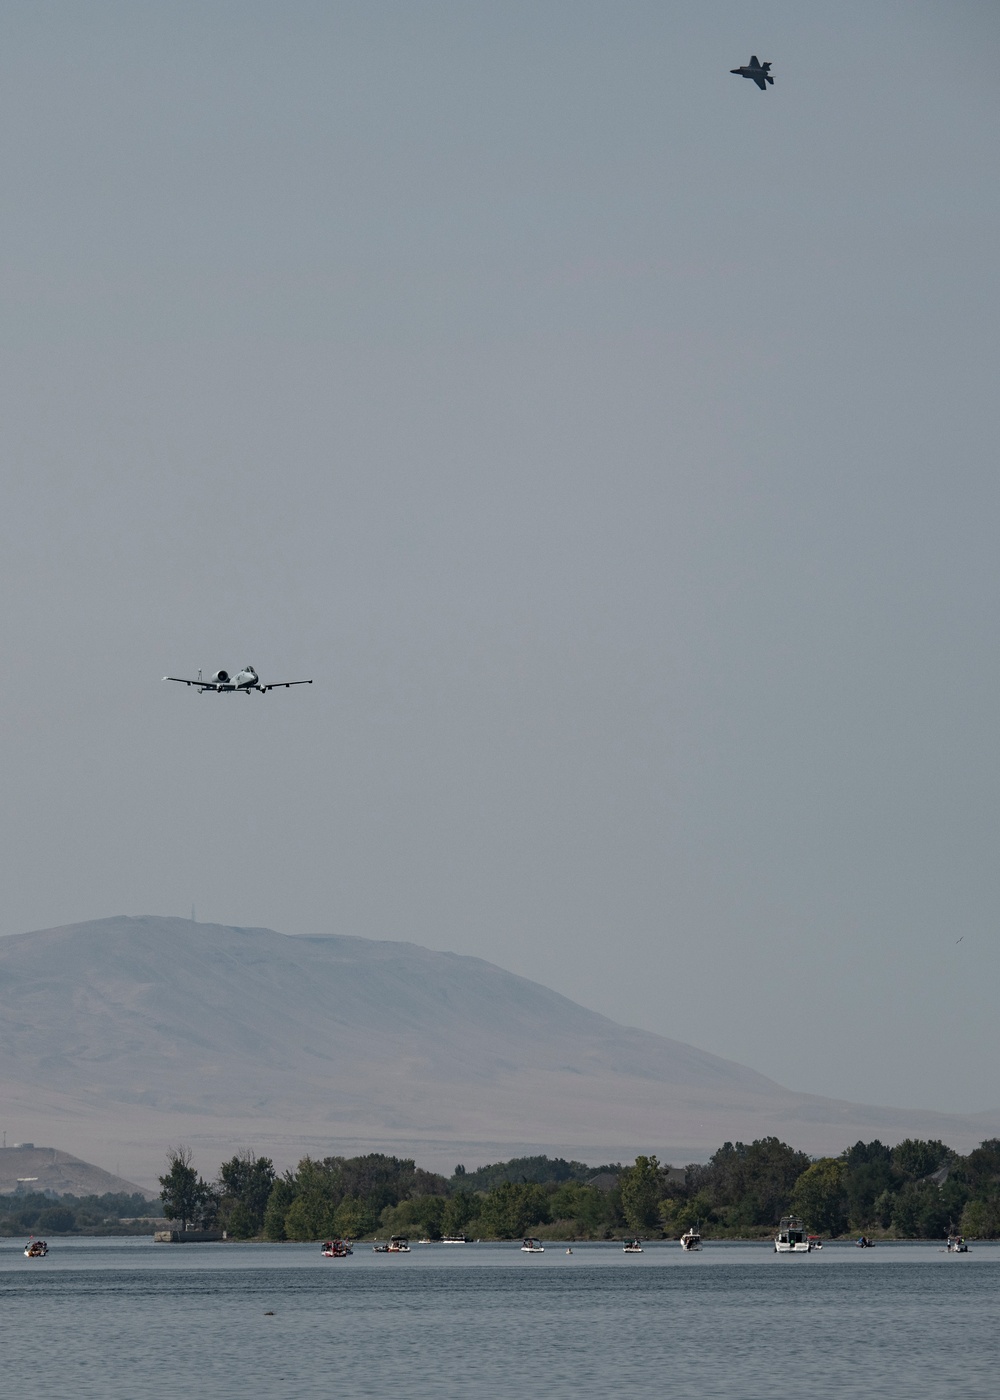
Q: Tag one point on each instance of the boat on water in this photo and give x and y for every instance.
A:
(631, 1247)
(791, 1237)
(456, 1239)
(398, 1244)
(532, 1247)
(690, 1241)
(336, 1249)
(35, 1249)
(957, 1245)
(815, 1242)
(863, 1242)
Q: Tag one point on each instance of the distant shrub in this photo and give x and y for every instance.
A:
(57, 1218)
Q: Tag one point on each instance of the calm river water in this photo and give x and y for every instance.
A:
(130, 1320)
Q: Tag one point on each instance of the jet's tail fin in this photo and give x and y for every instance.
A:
(769, 79)
(766, 65)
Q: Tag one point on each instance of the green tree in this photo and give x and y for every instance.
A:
(868, 1175)
(882, 1209)
(981, 1169)
(954, 1194)
(58, 1218)
(181, 1192)
(354, 1218)
(310, 1217)
(206, 1210)
(459, 1210)
(919, 1212)
(420, 1213)
(278, 1204)
(750, 1184)
(512, 1208)
(585, 1206)
(819, 1197)
(683, 1213)
(914, 1158)
(246, 1184)
(382, 1181)
(641, 1189)
(318, 1192)
(981, 1218)
(542, 1170)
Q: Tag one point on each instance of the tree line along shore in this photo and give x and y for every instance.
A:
(916, 1190)
(47, 1213)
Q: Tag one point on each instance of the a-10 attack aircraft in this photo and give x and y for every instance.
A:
(246, 680)
(756, 70)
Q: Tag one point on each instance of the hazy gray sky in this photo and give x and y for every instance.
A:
(614, 443)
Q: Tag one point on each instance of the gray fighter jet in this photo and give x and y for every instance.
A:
(756, 70)
(223, 683)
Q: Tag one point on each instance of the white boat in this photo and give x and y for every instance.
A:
(791, 1237)
(35, 1249)
(690, 1241)
(815, 1242)
(336, 1249)
(398, 1244)
(631, 1247)
(532, 1247)
(956, 1245)
(456, 1239)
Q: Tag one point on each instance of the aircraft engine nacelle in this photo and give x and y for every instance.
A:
(221, 677)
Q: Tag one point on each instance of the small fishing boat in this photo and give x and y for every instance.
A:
(956, 1245)
(690, 1241)
(631, 1247)
(35, 1249)
(398, 1244)
(863, 1242)
(791, 1236)
(815, 1242)
(456, 1239)
(336, 1249)
(532, 1247)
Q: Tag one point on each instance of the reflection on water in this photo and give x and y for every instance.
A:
(131, 1320)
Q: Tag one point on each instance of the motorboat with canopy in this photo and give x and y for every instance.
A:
(791, 1237)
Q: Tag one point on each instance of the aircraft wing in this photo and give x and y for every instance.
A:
(277, 685)
(754, 61)
(203, 685)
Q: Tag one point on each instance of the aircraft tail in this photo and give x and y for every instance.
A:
(769, 79)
